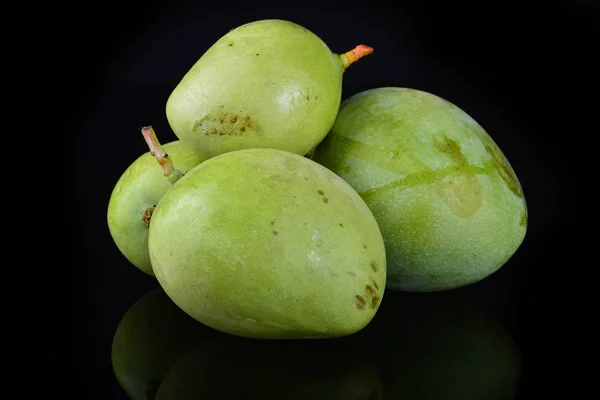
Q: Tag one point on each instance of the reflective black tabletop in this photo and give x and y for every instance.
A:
(470, 343)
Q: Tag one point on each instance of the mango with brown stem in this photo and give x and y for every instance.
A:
(265, 243)
(266, 84)
(136, 193)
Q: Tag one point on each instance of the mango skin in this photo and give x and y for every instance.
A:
(265, 243)
(266, 84)
(448, 202)
(142, 185)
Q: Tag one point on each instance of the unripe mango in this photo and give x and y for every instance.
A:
(448, 202)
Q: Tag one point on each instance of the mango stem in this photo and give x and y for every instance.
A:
(355, 54)
(161, 155)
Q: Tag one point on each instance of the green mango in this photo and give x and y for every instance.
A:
(151, 336)
(269, 83)
(229, 367)
(448, 202)
(265, 243)
(134, 197)
(440, 346)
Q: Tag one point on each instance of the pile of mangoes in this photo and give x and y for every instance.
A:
(283, 212)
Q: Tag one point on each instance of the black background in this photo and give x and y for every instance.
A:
(523, 70)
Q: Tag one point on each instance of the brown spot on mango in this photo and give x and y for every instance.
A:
(504, 169)
(452, 149)
(523, 220)
(370, 291)
(325, 200)
(500, 162)
(360, 302)
(221, 122)
(374, 266)
(374, 301)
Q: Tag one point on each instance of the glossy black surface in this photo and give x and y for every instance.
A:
(441, 345)
(496, 61)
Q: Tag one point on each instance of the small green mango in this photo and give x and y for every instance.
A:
(269, 83)
(448, 202)
(229, 367)
(151, 336)
(265, 243)
(134, 197)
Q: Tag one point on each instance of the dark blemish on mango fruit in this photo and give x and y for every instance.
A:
(452, 149)
(325, 200)
(374, 266)
(230, 44)
(374, 301)
(147, 215)
(523, 220)
(352, 274)
(370, 290)
(272, 222)
(320, 192)
(360, 302)
(364, 246)
(221, 122)
(275, 233)
(504, 169)
(307, 98)
(257, 54)
(341, 225)
(375, 284)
